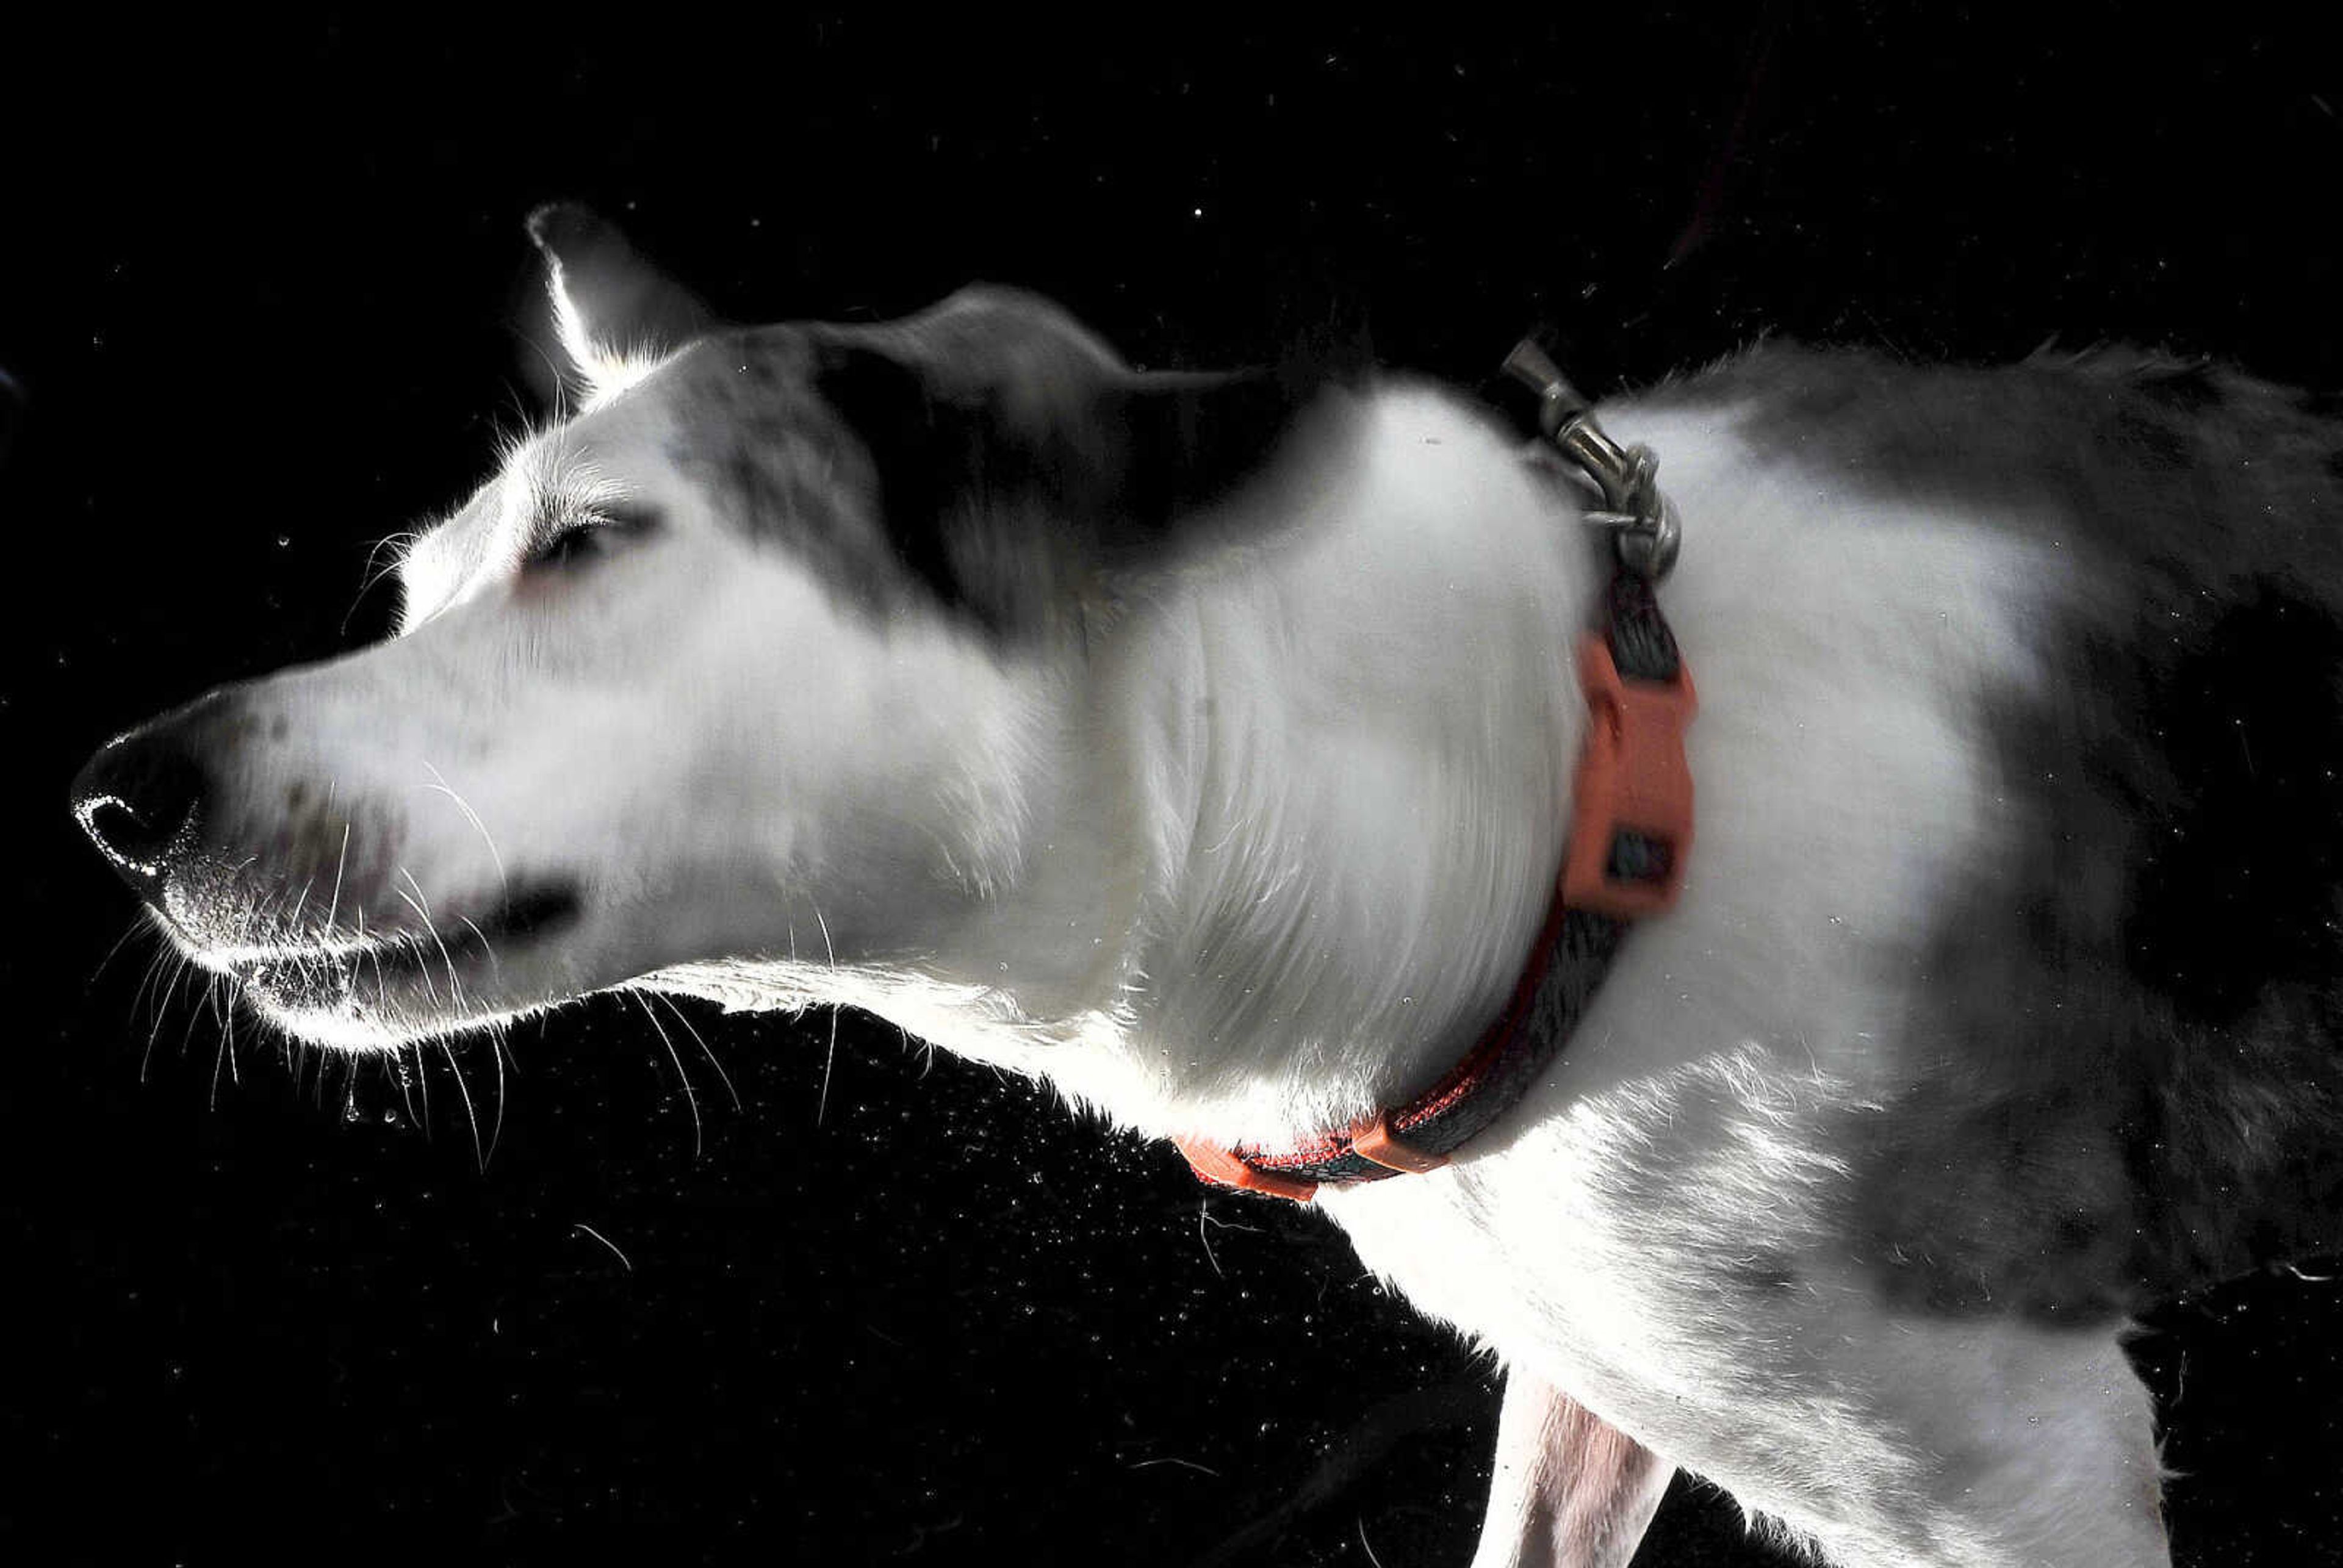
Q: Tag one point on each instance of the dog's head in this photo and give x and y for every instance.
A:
(773, 651)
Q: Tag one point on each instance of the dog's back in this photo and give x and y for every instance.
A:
(2140, 1082)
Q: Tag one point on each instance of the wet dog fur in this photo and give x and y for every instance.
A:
(1201, 744)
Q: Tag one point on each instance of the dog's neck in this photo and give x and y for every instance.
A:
(1308, 822)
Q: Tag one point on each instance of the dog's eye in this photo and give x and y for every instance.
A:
(569, 547)
(590, 539)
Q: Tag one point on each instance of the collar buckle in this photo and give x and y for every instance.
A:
(1374, 1140)
(1645, 530)
(1226, 1168)
(1631, 803)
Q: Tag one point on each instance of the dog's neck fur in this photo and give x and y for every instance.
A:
(1342, 857)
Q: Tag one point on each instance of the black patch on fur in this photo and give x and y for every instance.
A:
(2152, 439)
(1000, 482)
(779, 466)
(2139, 1088)
(989, 456)
(1986, 1190)
(2137, 1016)
(922, 451)
(536, 912)
(2235, 886)
(1184, 444)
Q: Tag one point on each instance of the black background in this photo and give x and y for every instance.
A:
(260, 288)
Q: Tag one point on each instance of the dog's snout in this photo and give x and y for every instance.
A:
(142, 797)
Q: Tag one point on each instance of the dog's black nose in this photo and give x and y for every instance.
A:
(141, 798)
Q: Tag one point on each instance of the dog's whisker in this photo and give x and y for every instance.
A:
(926, 1049)
(182, 987)
(334, 909)
(394, 1066)
(829, 1061)
(690, 1097)
(463, 1093)
(162, 1009)
(439, 783)
(606, 1242)
(226, 991)
(487, 947)
(228, 1031)
(1204, 1234)
(138, 924)
(497, 1033)
(431, 991)
(681, 1018)
(410, 952)
(423, 1085)
(162, 955)
(398, 544)
(211, 1005)
(416, 903)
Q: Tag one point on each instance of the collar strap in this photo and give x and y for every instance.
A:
(1630, 833)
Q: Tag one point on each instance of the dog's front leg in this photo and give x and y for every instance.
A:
(1571, 1491)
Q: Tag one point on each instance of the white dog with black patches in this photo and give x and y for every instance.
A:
(1206, 746)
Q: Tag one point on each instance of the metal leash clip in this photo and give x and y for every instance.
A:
(1643, 524)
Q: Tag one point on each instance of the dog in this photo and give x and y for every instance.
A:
(1207, 745)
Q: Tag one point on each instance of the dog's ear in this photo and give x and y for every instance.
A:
(1178, 444)
(614, 313)
(1124, 460)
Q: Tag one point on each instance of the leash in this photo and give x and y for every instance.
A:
(1630, 831)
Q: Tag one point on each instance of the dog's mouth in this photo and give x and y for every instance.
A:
(389, 985)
